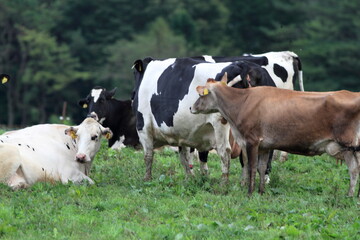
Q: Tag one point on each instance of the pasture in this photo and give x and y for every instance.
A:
(306, 199)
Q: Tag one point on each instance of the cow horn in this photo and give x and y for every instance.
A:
(224, 79)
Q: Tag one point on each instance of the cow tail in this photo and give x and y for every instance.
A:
(300, 73)
(298, 70)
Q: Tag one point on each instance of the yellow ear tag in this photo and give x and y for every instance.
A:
(206, 92)
(73, 135)
(223, 83)
(4, 80)
(108, 135)
(85, 105)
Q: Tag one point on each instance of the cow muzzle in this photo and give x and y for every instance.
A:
(193, 111)
(94, 116)
(81, 158)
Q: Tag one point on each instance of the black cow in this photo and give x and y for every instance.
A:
(114, 114)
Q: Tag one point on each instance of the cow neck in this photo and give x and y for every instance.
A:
(229, 101)
(122, 110)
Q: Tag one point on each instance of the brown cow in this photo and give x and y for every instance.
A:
(305, 123)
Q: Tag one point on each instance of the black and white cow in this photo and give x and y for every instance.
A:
(163, 93)
(114, 114)
(283, 67)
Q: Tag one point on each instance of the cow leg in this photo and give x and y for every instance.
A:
(193, 155)
(10, 167)
(245, 176)
(280, 155)
(352, 160)
(245, 168)
(283, 156)
(149, 155)
(77, 178)
(184, 158)
(264, 159)
(225, 163)
(268, 167)
(203, 156)
(252, 153)
(148, 147)
(17, 180)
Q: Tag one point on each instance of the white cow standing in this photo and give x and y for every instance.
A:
(50, 153)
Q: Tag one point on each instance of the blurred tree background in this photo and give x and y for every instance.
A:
(57, 50)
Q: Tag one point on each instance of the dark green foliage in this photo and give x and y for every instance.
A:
(65, 48)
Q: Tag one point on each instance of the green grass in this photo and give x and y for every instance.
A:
(306, 199)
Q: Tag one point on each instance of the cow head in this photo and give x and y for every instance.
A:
(206, 103)
(87, 137)
(4, 78)
(97, 103)
(139, 71)
(242, 74)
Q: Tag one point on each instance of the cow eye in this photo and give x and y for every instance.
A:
(93, 138)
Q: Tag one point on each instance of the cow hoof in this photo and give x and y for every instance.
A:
(19, 186)
(190, 173)
(243, 183)
(225, 178)
(267, 179)
(205, 172)
(147, 178)
(349, 195)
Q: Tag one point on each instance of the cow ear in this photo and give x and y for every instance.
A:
(71, 131)
(83, 103)
(110, 94)
(4, 78)
(202, 90)
(138, 65)
(224, 79)
(211, 80)
(107, 133)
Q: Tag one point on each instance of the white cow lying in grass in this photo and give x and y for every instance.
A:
(49, 153)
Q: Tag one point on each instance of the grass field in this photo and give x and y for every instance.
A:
(306, 199)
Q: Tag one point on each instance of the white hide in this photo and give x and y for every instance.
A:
(284, 59)
(203, 132)
(187, 125)
(95, 93)
(44, 153)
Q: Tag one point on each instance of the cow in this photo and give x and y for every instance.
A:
(4, 78)
(164, 91)
(114, 114)
(253, 75)
(283, 67)
(50, 153)
(305, 123)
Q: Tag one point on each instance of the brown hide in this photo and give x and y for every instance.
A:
(290, 120)
(306, 123)
(235, 149)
